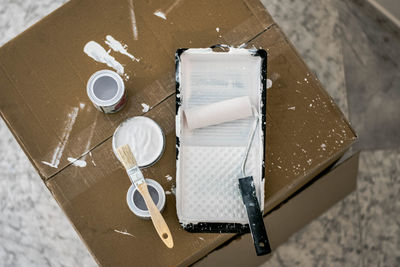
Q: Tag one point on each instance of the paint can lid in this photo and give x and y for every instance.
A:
(105, 88)
(136, 202)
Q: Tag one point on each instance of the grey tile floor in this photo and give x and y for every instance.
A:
(357, 60)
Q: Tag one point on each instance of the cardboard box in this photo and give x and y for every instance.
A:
(43, 74)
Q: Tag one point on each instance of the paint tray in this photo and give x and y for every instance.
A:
(209, 159)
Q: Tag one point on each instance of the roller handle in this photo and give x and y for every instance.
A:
(158, 221)
(256, 222)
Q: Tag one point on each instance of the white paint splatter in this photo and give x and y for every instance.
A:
(99, 54)
(169, 177)
(49, 164)
(123, 232)
(82, 105)
(168, 192)
(269, 83)
(217, 29)
(77, 162)
(172, 6)
(118, 47)
(133, 21)
(309, 161)
(323, 146)
(201, 238)
(173, 190)
(292, 108)
(160, 14)
(145, 107)
(55, 160)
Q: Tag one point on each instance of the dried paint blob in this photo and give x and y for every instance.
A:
(269, 83)
(144, 137)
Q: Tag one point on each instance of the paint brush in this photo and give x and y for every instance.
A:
(127, 159)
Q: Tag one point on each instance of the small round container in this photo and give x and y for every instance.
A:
(136, 202)
(145, 138)
(106, 90)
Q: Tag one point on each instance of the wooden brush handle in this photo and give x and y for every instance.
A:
(158, 220)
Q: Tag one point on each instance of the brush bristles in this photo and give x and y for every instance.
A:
(126, 156)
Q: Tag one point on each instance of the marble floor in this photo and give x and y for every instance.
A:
(357, 59)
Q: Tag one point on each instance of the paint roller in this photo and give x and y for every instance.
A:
(231, 110)
(219, 112)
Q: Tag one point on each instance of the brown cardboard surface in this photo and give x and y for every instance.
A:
(43, 75)
(291, 216)
(306, 132)
(43, 72)
(94, 197)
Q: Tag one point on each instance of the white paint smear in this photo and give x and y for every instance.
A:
(55, 160)
(99, 54)
(145, 107)
(89, 142)
(160, 14)
(169, 177)
(123, 232)
(217, 29)
(133, 21)
(77, 162)
(269, 83)
(292, 108)
(82, 105)
(172, 6)
(118, 47)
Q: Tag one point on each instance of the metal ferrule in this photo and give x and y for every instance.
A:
(135, 175)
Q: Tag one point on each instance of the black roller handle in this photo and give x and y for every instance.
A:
(256, 222)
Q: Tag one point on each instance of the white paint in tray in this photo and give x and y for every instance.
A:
(200, 181)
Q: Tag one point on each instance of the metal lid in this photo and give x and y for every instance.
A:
(105, 88)
(136, 202)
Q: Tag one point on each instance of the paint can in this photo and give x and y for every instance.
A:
(106, 90)
(144, 137)
(136, 202)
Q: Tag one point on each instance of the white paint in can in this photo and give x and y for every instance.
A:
(106, 90)
(144, 137)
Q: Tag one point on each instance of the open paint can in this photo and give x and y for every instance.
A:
(136, 202)
(106, 90)
(144, 137)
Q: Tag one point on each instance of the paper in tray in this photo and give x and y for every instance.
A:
(209, 159)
